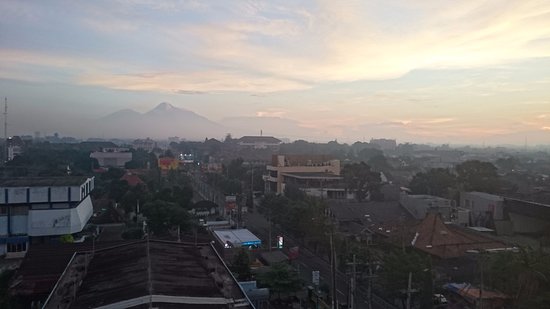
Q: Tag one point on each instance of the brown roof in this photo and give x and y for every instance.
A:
(143, 268)
(449, 241)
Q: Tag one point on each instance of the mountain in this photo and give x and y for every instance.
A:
(160, 122)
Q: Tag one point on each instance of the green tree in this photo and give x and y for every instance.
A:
(360, 178)
(379, 163)
(476, 175)
(163, 216)
(368, 153)
(281, 278)
(436, 181)
(241, 265)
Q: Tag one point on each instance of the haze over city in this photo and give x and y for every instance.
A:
(431, 71)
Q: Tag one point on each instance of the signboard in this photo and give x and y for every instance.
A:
(315, 277)
(280, 242)
(230, 202)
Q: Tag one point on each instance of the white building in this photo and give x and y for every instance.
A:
(316, 175)
(34, 210)
(112, 157)
(259, 142)
(484, 208)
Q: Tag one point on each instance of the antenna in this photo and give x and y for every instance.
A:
(6, 129)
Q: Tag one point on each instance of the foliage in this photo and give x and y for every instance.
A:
(437, 181)
(476, 175)
(379, 163)
(7, 301)
(293, 192)
(369, 153)
(281, 278)
(163, 216)
(361, 179)
(140, 158)
(66, 239)
(133, 233)
(396, 267)
(525, 276)
(117, 189)
(241, 265)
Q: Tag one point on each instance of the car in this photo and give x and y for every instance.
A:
(439, 299)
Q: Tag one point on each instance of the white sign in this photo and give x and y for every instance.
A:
(315, 277)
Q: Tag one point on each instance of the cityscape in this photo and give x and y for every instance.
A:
(270, 155)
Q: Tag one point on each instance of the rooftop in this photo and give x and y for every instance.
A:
(448, 241)
(43, 181)
(237, 237)
(312, 175)
(487, 196)
(168, 274)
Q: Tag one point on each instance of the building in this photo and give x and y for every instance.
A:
(237, 238)
(442, 240)
(15, 147)
(167, 163)
(112, 157)
(37, 210)
(317, 175)
(144, 144)
(420, 205)
(148, 274)
(259, 142)
(484, 208)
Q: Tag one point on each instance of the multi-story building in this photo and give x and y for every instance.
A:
(112, 157)
(317, 175)
(37, 210)
(419, 206)
(145, 144)
(15, 147)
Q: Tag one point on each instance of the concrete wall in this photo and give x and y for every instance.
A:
(527, 225)
(483, 204)
(59, 221)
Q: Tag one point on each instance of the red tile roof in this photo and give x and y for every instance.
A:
(132, 179)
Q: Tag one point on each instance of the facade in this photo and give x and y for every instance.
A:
(484, 208)
(259, 142)
(315, 174)
(112, 157)
(420, 205)
(33, 210)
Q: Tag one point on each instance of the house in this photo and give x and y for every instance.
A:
(37, 210)
(316, 175)
(148, 273)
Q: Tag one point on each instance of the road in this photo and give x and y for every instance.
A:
(307, 262)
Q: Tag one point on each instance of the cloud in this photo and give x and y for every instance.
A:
(268, 47)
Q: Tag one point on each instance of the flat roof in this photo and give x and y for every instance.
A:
(239, 236)
(43, 181)
(488, 196)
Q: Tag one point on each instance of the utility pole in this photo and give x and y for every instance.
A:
(351, 304)
(5, 129)
(333, 274)
(409, 291)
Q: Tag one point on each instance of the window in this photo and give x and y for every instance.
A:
(3, 210)
(40, 206)
(17, 247)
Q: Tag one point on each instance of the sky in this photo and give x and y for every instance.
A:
(440, 71)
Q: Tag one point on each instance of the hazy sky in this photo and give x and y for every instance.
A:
(433, 70)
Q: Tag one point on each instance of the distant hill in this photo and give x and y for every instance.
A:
(162, 121)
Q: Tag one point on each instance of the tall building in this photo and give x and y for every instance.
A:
(316, 175)
(38, 210)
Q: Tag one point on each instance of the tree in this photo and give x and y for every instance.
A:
(163, 216)
(476, 175)
(281, 278)
(437, 181)
(241, 266)
(368, 153)
(525, 276)
(379, 162)
(361, 179)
